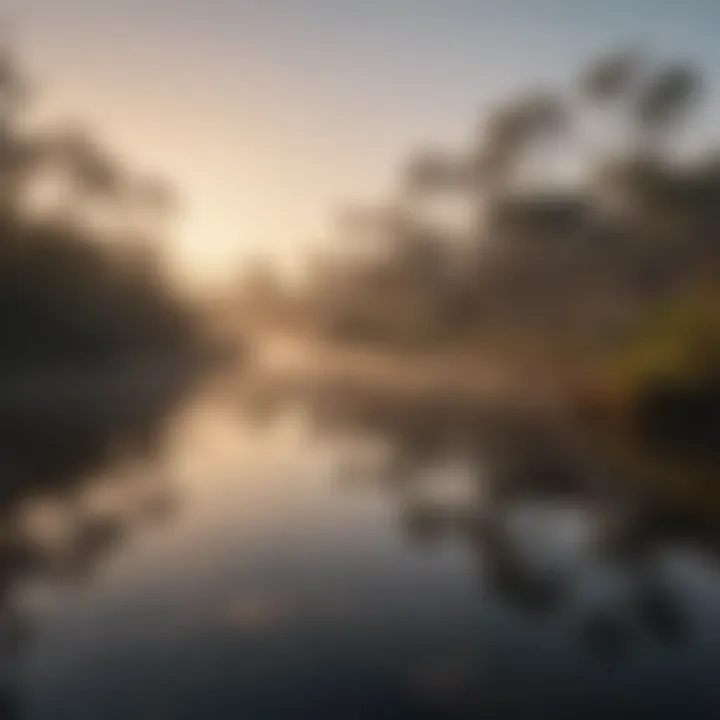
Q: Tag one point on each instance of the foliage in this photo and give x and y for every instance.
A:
(72, 289)
(677, 346)
(548, 268)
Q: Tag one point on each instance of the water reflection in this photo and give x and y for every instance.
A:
(79, 470)
(345, 553)
(553, 526)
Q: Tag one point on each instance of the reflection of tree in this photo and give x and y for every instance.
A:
(519, 462)
(60, 513)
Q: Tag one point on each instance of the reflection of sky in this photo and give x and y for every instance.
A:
(268, 113)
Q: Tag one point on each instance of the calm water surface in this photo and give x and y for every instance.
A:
(339, 555)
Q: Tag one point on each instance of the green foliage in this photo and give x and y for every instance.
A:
(678, 345)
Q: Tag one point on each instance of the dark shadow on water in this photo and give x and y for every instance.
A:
(527, 478)
(52, 459)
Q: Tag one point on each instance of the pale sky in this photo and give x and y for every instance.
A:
(270, 114)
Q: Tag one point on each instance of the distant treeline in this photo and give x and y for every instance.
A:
(554, 241)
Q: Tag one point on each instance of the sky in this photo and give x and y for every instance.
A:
(271, 115)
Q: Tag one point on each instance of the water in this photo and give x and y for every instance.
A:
(341, 554)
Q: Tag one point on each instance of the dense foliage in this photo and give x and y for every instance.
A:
(80, 278)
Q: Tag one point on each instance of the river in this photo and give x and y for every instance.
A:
(255, 552)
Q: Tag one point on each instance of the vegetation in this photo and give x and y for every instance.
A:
(584, 234)
(81, 282)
